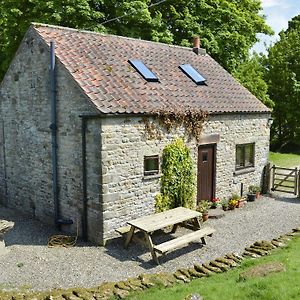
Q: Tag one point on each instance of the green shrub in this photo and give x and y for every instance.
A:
(178, 180)
(162, 203)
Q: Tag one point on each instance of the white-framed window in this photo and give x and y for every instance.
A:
(151, 165)
(245, 154)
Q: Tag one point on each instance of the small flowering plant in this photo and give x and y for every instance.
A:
(215, 202)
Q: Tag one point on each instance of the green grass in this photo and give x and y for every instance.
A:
(284, 159)
(276, 286)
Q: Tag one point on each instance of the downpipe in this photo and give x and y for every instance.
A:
(58, 221)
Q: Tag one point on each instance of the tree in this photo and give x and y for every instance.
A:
(16, 16)
(227, 28)
(251, 74)
(284, 85)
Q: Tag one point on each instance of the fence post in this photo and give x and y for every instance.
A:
(273, 177)
(298, 184)
(266, 178)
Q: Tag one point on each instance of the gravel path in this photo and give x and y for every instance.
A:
(31, 264)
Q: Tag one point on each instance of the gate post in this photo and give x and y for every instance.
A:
(266, 180)
(273, 177)
(298, 181)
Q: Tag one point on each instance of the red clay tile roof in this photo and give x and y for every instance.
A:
(99, 64)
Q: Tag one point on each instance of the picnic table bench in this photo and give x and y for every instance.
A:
(173, 217)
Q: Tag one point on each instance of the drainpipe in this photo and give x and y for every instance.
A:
(84, 186)
(53, 127)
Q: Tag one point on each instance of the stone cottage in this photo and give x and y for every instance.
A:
(74, 151)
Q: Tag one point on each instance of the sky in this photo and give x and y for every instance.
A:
(278, 13)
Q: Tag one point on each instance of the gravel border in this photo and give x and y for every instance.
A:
(30, 264)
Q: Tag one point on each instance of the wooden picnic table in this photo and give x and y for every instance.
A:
(172, 217)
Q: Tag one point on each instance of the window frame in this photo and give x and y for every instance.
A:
(154, 171)
(244, 159)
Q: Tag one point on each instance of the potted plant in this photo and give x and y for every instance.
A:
(215, 202)
(224, 204)
(203, 207)
(234, 201)
(254, 190)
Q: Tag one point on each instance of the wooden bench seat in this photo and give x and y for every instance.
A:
(123, 230)
(183, 240)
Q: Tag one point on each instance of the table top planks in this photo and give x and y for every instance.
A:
(161, 220)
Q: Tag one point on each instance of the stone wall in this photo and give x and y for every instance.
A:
(26, 140)
(128, 194)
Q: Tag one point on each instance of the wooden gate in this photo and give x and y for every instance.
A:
(285, 180)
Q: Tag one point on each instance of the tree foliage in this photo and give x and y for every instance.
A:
(16, 16)
(227, 28)
(284, 85)
(251, 74)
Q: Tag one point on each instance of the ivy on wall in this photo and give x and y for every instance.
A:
(178, 181)
(191, 119)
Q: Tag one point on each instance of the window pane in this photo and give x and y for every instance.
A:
(151, 165)
(249, 155)
(244, 156)
(239, 157)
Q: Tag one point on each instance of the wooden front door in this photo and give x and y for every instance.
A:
(206, 172)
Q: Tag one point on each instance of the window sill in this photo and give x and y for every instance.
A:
(244, 171)
(150, 177)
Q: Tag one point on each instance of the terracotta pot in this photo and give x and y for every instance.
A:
(257, 195)
(204, 217)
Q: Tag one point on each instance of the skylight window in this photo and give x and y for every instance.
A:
(143, 70)
(193, 74)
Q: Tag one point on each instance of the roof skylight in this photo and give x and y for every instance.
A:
(192, 73)
(143, 70)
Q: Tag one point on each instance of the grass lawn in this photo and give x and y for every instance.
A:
(276, 286)
(284, 159)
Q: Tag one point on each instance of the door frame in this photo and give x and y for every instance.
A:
(214, 148)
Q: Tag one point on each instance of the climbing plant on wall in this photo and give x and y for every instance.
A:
(192, 120)
(178, 184)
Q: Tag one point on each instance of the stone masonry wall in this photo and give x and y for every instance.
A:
(26, 142)
(128, 194)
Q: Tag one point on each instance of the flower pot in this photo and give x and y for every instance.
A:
(204, 217)
(241, 203)
(251, 197)
(224, 207)
(257, 195)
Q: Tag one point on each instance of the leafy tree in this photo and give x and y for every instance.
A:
(16, 16)
(284, 85)
(227, 28)
(251, 74)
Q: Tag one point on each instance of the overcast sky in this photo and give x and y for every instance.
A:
(278, 13)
